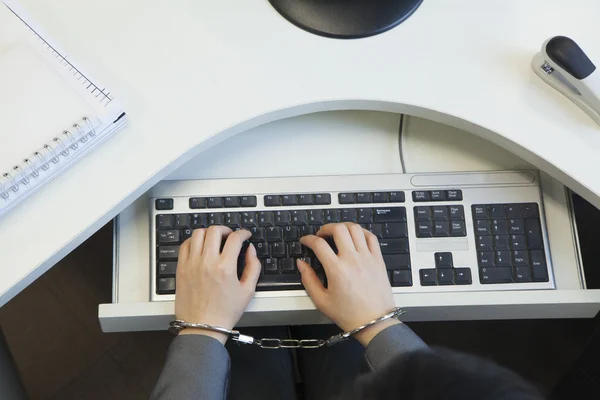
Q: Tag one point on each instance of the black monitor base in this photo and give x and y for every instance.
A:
(346, 19)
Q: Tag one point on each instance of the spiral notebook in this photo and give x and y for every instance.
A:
(51, 112)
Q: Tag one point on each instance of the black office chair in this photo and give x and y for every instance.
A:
(11, 386)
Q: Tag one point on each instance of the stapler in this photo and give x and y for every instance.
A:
(564, 65)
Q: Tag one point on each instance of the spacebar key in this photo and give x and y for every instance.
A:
(279, 282)
(393, 246)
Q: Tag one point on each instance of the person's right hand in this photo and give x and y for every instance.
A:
(358, 289)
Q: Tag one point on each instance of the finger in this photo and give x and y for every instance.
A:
(252, 269)
(312, 284)
(321, 248)
(358, 236)
(184, 250)
(197, 242)
(234, 244)
(373, 244)
(341, 236)
(213, 238)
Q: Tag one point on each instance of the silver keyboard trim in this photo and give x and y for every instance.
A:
(493, 189)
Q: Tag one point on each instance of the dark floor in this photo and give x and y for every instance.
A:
(53, 331)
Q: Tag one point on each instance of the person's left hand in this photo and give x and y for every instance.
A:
(208, 288)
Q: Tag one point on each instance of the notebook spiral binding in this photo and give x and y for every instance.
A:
(43, 159)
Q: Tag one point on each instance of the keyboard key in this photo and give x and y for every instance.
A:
(322, 199)
(346, 198)
(455, 195)
(308, 229)
(443, 260)
(332, 216)
(274, 233)
(249, 219)
(197, 202)
(363, 198)
(401, 278)
(441, 229)
(485, 259)
(516, 226)
(484, 242)
(214, 202)
(501, 242)
(422, 213)
(168, 252)
(522, 274)
(306, 199)
(396, 197)
(233, 220)
(530, 210)
(420, 195)
(282, 218)
(272, 200)
(537, 260)
(393, 214)
(214, 219)
(377, 230)
(165, 268)
(462, 276)
(497, 211)
(380, 197)
(520, 257)
(517, 242)
(169, 237)
(458, 228)
(232, 202)
(266, 218)
(287, 265)
(445, 277)
(502, 258)
(165, 221)
(480, 211)
(166, 286)
(456, 212)
(291, 233)
(495, 275)
(437, 195)
(182, 221)
(393, 246)
(198, 221)
(364, 216)
(248, 201)
(428, 277)
(397, 261)
(258, 234)
(483, 227)
(499, 227)
(187, 233)
(315, 217)
(270, 266)
(296, 249)
(534, 234)
(348, 215)
(440, 213)
(279, 282)
(424, 229)
(395, 230)
(289, 200)
(299, 217)
(262, 249)
(513, 210)
(163, 204)
(278, 249)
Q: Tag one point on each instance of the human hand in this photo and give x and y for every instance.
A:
(358, 289)
(208, 288)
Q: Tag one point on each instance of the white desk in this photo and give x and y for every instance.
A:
(192, 73)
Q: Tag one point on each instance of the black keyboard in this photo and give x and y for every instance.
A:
(276, 234)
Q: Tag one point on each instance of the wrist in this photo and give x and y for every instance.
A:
(366, 335)
(221, 337)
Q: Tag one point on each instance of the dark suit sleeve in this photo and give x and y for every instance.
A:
(197, 367)
(390, 343)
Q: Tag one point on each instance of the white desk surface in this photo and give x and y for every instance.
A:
(194, 72)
